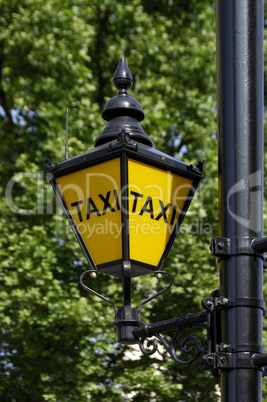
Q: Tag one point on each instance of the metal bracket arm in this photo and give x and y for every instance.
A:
(186, 321)
(190, 346)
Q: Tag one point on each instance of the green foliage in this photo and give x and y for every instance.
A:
(57, 344)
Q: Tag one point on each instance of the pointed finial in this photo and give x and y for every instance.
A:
(123, 78)
(122, 112)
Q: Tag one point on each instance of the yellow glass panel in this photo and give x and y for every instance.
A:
(156, 199)
(93, 198)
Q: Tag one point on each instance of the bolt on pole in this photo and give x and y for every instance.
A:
(240, 124)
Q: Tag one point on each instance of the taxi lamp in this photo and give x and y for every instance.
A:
(124, 200)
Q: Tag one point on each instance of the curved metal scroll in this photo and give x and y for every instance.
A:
(149, 299)
(197, 348)
(89, 272)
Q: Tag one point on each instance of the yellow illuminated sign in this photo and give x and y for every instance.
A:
(156, 199)
(92, 196)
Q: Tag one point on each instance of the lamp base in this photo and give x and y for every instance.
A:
(127, 319)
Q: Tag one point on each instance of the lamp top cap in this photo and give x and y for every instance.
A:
(122, 104)
(123, 112)
(123, 78)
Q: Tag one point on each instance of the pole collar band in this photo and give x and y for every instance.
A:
(224, 247)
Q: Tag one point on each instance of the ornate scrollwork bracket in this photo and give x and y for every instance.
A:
(191, 346)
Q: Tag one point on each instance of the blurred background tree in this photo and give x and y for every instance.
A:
(56, 341)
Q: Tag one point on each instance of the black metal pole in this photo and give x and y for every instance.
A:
(240, 111)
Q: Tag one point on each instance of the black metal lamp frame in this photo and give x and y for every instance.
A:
(124, 147)
(124, 138)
